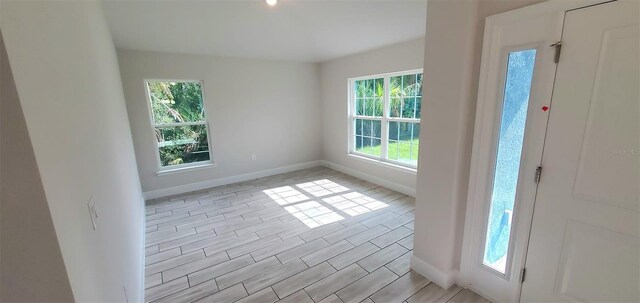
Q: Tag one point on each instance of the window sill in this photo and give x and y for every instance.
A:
(170, 171)
(381, 163)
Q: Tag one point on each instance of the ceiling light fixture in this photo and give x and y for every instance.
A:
(272, 2)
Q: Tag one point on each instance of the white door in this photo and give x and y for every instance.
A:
(584, 237)
(516, 83)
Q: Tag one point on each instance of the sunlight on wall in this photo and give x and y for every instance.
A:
(337, 202)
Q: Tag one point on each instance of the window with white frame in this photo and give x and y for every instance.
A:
(180, 123)
(385, 117)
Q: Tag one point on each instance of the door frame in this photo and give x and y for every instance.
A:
(473, 274)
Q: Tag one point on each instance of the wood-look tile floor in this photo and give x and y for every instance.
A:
(313, 235)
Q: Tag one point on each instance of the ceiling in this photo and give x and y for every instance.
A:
(297, 30)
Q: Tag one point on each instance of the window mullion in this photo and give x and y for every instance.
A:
(410, 120)
(385, 114)
(369, 118)
(165, 125)
(352, 117)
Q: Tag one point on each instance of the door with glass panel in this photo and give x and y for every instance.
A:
(553, 201)
(516, 82)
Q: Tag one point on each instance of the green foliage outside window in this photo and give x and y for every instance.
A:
(370, 97)
(172, 105)
(405, 101)
(406, 96)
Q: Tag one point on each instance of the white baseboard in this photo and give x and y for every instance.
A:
(442, 279)
(181, 189)
(375, 180)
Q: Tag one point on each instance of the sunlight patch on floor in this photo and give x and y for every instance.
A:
(354, 203)
(285, 195)
(337, 201)
(313, 214)
(321, 188)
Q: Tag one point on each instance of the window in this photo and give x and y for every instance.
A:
(385, 117)
(179, 122)
(515, 104)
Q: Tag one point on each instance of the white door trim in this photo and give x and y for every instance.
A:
(472, 275)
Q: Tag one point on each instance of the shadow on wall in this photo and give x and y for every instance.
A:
(32, 270)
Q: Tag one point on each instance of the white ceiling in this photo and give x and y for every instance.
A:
(299, 30)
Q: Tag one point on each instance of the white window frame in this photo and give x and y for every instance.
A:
(162, 170)
(385, 119)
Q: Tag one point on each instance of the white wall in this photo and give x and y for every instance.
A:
(34, 268)
(269, 108)
(451, 63)
(334, 95)
(67, 78)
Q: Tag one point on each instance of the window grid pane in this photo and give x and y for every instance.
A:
(368, 138)
(405, 96)
(182, 144)
(369, 97)
(176, 102)
(403, 142)
(368, 88)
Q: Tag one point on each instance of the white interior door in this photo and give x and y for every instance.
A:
(516, 83)
(584, 239)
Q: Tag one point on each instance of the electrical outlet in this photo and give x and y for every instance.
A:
(253, 157)
(92, 212)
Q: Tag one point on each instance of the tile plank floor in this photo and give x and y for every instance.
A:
(313, 235)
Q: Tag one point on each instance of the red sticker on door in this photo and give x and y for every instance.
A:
(545, 108)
